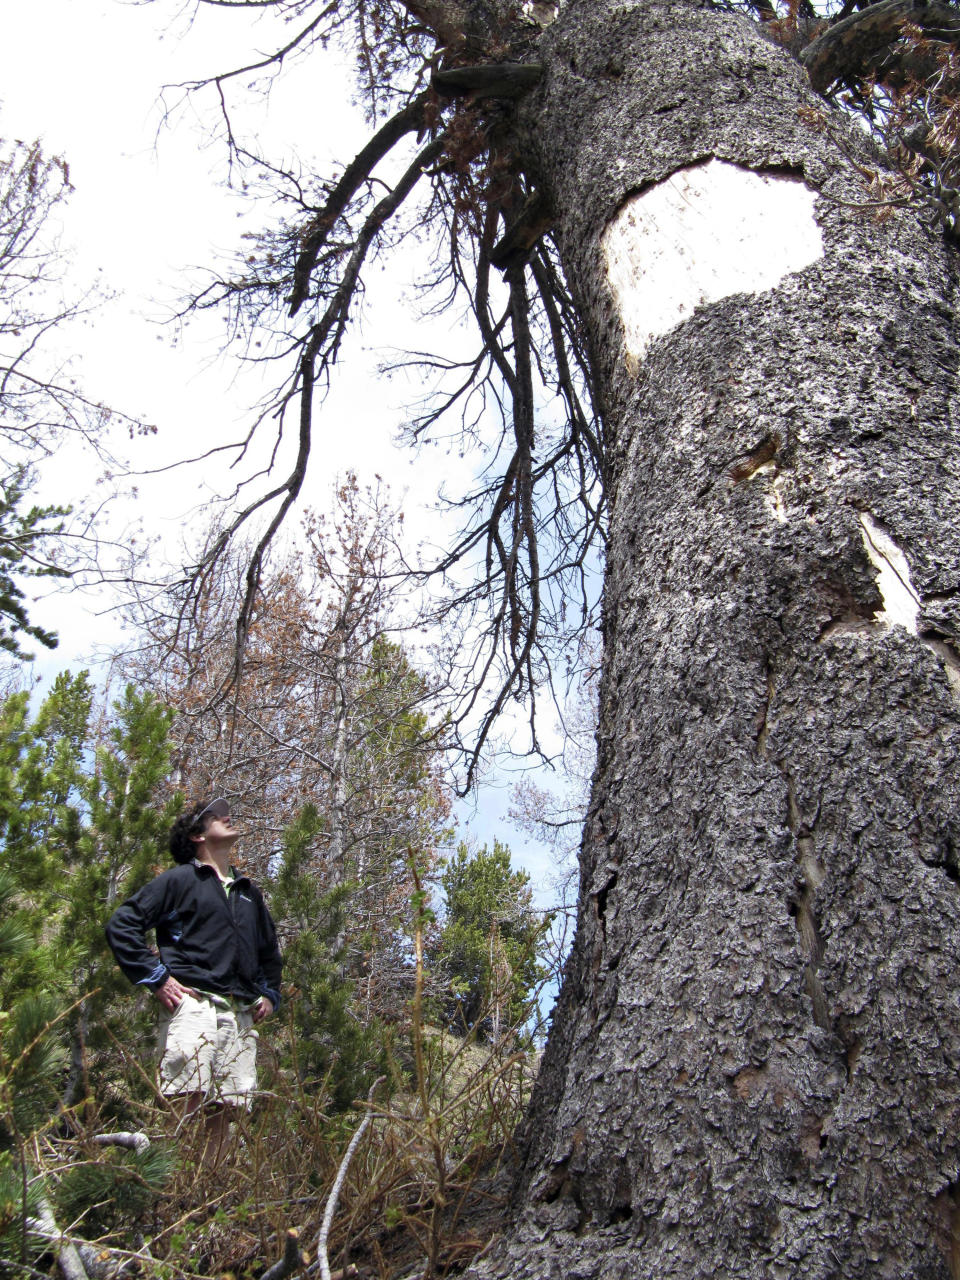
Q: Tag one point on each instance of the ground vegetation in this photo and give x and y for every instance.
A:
(99, 1177)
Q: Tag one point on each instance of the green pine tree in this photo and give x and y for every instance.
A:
(121, 844)
(332, 1045)
(22, 533)
(42, 762)
(490, 942)
(78, 828)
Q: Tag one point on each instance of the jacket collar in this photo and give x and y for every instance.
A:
(206, 867)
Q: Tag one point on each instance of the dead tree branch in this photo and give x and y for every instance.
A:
(292, 1260)
(490, 80)
(132, 1141)
(334, 1196)
(860, 44)
(68, 1258)
(359, 169)
(532, 524)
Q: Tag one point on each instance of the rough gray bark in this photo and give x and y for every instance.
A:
(753, 1069)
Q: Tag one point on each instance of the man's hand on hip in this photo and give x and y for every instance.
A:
(172, 992)
(262, 1009)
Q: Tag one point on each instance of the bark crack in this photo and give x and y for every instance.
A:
(762, 457)
(946, 650)
(600, 898)
(802, 908)
(599, 950)
(763, 715)
(901, 600)
(947, 1203)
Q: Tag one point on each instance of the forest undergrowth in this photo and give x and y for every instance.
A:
(391, 1078)
(121, 1185)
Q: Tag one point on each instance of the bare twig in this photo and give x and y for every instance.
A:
(338, 1183)
(14, 1268)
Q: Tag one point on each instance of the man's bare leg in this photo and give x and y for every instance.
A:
(216, 1125)
(217, 1117)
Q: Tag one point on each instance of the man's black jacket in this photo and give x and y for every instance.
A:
(208, 939)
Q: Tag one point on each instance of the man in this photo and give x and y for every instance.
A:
(218, 970)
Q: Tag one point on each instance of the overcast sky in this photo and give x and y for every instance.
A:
(150, 212)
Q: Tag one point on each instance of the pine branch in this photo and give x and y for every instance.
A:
(852, 47)
(490, 80)
(356, 172)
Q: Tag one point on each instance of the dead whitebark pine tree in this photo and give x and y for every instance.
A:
(753, 1067)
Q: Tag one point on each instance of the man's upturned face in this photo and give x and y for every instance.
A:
(221, 831)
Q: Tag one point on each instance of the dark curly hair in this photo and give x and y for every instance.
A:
(189, 824)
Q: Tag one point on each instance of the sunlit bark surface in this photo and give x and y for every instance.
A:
(753, 1069)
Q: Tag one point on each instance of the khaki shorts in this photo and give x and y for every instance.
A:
(209, 1048)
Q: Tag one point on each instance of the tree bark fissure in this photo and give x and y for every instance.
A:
(753, 1065)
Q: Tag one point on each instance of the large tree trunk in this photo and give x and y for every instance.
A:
(753, 1069)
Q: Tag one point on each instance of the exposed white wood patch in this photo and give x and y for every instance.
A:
(700, 235)
(541, 12)
(774, 498)
(901, 604)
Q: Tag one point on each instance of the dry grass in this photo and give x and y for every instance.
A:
(419, 1197)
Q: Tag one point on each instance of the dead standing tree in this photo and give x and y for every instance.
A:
(753, 1066)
